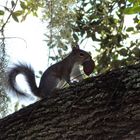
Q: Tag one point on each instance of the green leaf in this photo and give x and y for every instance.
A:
(53, 58)
(136, 9)
(40, 72)
(65, 48)
(75, 37)
(7, 9)
(12, 3)
(129, 29)
(16, 106)
(85, 4)
(131, 1)
(123, 52)
(132, 10)
(18, 13)
(1, 12)
(35, 14)
(60, 52)
(15, 17)
(23, 5)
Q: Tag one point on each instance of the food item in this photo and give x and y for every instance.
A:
(88, 66)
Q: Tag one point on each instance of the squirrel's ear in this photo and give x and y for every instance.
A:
(75, 48)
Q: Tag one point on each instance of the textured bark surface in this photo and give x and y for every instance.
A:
(106, 107)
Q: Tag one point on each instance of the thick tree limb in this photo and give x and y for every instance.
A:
(106, 107)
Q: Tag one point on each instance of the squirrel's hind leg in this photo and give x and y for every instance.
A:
(48, 85)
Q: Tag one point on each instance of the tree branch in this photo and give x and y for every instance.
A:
(106, 107)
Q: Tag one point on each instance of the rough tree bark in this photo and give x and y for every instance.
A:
(106, 107)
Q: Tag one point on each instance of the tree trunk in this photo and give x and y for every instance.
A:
(106, 107)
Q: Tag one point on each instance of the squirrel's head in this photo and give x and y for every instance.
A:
(79, 55)
(84, 58)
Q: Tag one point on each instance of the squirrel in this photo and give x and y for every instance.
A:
(53, 77)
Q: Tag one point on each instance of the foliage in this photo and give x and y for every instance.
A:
(103, 22)
(133, 7)
(25, 7)
(59, 16)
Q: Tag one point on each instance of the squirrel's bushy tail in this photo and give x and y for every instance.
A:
(28, 72)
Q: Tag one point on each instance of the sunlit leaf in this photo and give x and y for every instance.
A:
(18, 13)
(131, 0)
(35, 14)
(1, 12)
(132, 10)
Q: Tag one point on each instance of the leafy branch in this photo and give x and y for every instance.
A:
(11, 12)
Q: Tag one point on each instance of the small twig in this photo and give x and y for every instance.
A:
(14, 37)
(3, 26)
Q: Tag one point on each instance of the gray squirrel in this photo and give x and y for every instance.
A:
(54, 76)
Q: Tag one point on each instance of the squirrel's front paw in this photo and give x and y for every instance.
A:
(73, 83)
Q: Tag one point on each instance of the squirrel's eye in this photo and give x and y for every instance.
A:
(81, 54)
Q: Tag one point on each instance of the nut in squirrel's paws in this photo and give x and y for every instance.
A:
(88, 66)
